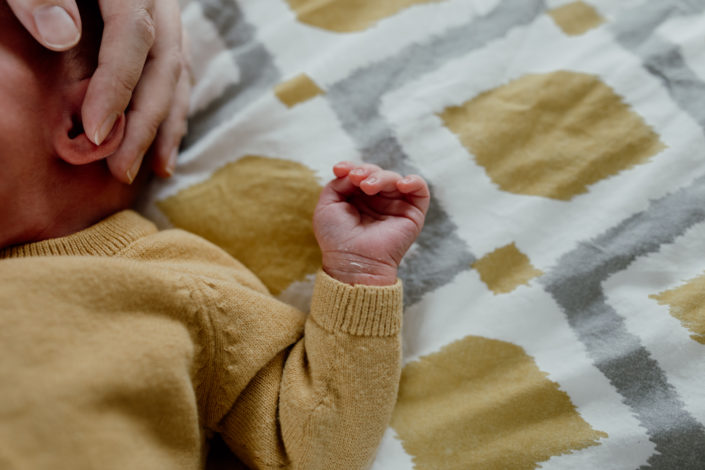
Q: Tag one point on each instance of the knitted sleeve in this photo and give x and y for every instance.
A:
(311, 392)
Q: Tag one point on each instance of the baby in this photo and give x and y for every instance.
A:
(125, 347)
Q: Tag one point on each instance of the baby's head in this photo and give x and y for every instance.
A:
(53, 180)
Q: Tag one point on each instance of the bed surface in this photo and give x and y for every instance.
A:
(554, 302)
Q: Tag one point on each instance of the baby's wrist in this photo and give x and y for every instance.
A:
(352, 269)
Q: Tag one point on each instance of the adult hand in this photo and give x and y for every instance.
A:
(141, 64)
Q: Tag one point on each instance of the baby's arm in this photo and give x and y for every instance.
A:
(323, 401)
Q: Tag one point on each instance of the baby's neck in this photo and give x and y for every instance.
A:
(70, 199)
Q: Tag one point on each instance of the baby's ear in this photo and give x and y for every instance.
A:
(69, 139)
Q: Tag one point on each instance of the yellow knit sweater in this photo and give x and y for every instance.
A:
(122, 347)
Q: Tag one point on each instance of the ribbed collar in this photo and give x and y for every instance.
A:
(106, 238)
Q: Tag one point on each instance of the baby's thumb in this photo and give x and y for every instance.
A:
(56, 24)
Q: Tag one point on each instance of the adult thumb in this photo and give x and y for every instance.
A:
(56, 24)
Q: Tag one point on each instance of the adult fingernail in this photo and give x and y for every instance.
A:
(134, 169)
(172, 162)
(104, 130)
(56, 27)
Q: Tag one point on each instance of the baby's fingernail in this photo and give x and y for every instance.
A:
(105, 129)
(134, 169)
(172, 162)
(372, 180)
(56, 27)
(407, 180)
(357, 171)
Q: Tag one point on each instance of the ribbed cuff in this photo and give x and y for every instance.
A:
(105, 238)
(357, 310)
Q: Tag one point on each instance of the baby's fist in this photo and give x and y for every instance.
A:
(366, 220)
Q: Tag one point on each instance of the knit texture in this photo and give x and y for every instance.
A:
(105, 239)
(360, 310)
(124, 347)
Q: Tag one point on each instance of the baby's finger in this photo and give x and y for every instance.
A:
(382, 181)
(336, 191)
(361, 172)
(341, 169)
(415, 187)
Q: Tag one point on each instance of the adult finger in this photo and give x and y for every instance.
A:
(152, 98)
(171, 132)
(56, 24)
(128, 36)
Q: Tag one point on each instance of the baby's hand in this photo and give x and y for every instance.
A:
(366, 220)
